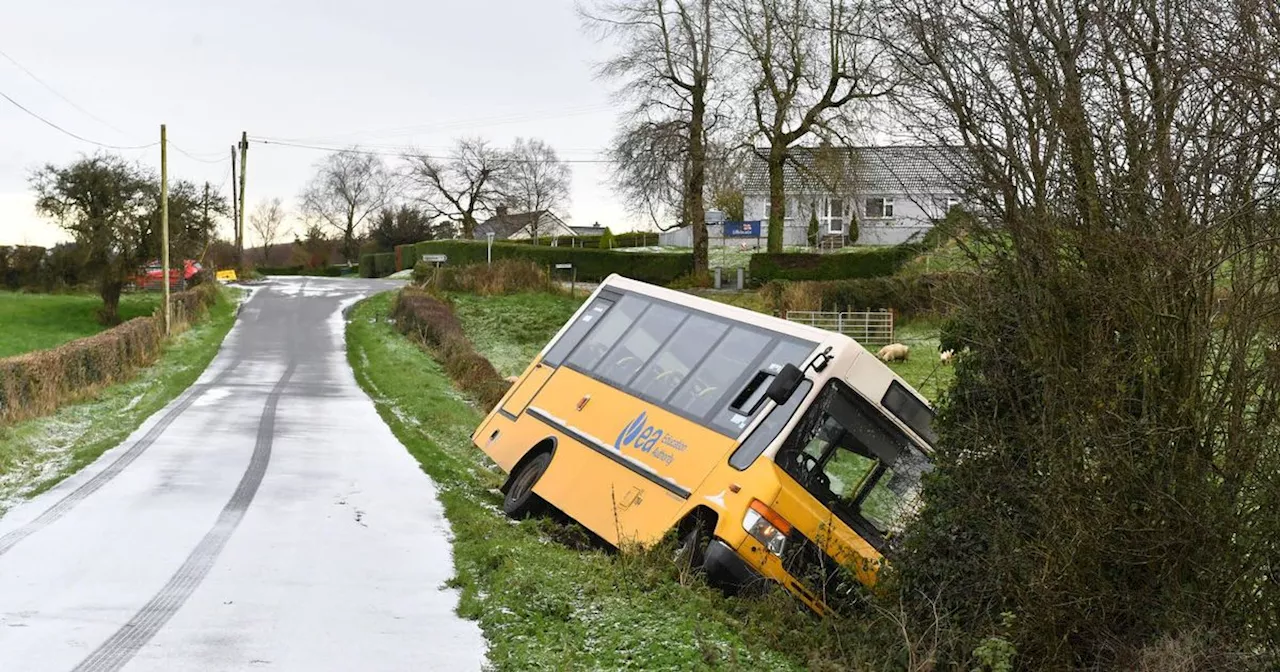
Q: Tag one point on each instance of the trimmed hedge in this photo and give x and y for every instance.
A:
(36, 383)
(405, 257)
(378, 265)
(907, 296)
(869, 263)
(613, 241)
(592, 265)
(323, 271)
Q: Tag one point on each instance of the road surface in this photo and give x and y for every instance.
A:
(266, 519)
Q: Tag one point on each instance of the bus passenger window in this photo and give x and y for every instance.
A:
(640, 342)
(615, 322)
(709, 383)
(670, 366)
(589, 318)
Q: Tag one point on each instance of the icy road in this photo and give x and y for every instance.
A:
(265, 520)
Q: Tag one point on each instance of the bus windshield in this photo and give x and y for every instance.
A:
(856, 462)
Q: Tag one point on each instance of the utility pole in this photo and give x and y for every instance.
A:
(235, 211)
(164, 225)
(244, 158)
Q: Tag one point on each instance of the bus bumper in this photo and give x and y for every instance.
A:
(723, 565)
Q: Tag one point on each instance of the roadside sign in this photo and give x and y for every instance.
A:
(227, 276)
(560, 266)
(742, 229)
(435, 258)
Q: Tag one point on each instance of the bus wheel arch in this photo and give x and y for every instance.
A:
(519, 500)
(693, 533)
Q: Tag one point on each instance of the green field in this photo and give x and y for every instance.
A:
(36, 454)
(39, 321)
(546, 597)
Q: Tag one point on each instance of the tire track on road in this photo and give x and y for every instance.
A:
(68, 502)
(121, 647)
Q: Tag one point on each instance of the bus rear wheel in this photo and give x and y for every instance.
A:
(521, 501)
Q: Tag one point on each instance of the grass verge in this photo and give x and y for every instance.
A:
(36, 454)
(41, 321)
(546, 598)
(510, 329)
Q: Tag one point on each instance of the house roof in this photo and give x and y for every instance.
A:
(588, 230)
(506, 224)
(864, 170)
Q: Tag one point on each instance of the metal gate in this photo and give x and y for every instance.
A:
(868, 327)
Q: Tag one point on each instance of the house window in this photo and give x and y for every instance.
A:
(879, 208)
(832, 215)
(952, 202)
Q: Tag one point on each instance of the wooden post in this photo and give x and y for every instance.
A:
(235, 211)
(244, 158)
(164, 225)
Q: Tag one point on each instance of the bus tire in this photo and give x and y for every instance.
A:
(691, 545)
(521, 501)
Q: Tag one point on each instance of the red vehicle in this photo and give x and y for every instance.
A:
(152, 276)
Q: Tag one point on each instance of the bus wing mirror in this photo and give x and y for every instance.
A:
(784, 384)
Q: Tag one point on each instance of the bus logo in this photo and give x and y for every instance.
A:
(631, 431)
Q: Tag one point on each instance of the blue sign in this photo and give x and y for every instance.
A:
(742, 229)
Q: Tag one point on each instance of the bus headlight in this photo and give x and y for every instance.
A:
(766, 526)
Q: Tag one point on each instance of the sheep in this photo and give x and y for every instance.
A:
(894, 352)
(947, 356)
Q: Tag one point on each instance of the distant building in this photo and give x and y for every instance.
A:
(521, 225)
(896, 193)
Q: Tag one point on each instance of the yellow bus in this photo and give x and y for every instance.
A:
(776, 451)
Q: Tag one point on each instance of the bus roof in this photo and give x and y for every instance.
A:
(724, 310)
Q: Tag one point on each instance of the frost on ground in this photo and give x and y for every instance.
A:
(38, 452)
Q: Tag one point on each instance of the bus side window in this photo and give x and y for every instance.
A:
(577, 330)
(768, 429)
(614, 324)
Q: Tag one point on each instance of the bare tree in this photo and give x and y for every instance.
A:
(807, 59)
(266, 221)
(535, 180)
(348, 187)
(666, 61)
(461, 187)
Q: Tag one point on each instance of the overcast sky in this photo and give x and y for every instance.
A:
(374, 72)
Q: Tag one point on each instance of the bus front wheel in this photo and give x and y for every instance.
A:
(521, 501)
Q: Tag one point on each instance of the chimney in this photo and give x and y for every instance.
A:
(502, 211)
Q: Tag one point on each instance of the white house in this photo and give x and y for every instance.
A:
(521, 225)
(895, 192)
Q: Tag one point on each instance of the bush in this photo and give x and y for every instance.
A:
(607, 241)
(867, 263)
(430, 321)
(367, 268)
(813, 228)
(592, 265)
(21, 266)
(505, 276)
(635, 239)
(36, 383)
(854, 233)
(906, 296)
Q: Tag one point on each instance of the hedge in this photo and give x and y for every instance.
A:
(405, 257)
(323, 271)
(377, 265)
(36, 383)
(591, 265)
(915, 295)
(431, 322)
(864, 263)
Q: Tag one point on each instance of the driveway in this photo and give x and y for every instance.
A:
(266, 519)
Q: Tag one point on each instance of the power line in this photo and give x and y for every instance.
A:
(404, 154)
(81, 138)
(57, 93)
(194, 157)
